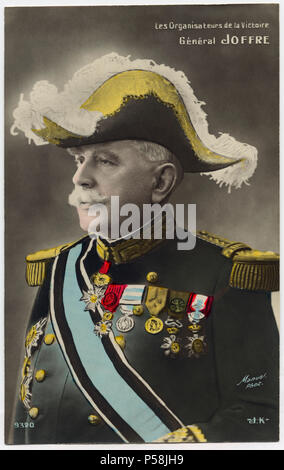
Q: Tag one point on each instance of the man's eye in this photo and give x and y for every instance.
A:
(106, 162)
(79, 161)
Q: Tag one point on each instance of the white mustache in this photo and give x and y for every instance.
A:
(85, 196)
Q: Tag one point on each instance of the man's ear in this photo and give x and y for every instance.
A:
(164, 181)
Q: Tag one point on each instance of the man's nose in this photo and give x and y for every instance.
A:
(84, 177)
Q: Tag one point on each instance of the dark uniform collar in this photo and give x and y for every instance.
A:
(126, 250)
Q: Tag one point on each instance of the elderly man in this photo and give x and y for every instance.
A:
(130, 339)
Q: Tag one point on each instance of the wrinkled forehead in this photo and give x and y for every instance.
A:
(117, 148)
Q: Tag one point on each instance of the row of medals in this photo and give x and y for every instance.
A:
(173, 345)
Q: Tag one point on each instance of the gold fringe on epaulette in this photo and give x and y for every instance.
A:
(252, 269)
(255, 276)
(36, 262)
(35, 273)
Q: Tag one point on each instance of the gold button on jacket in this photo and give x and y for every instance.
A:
(94, 419)
(138, 310)
(40, 375)
(49, 339)
(152, 277)
(33, 412)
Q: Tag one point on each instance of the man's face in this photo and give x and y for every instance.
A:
(110, 169)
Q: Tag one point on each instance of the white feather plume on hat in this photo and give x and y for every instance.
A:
(64, 108)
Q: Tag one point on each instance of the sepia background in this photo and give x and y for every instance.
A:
(239, 85)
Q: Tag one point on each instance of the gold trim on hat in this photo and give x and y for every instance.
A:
(114, 93)
(54, 133)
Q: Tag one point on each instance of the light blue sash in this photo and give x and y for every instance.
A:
(99, 366)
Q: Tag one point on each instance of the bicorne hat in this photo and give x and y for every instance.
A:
(116, 98)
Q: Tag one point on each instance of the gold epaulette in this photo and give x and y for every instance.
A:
(37, 262)
(252, 269)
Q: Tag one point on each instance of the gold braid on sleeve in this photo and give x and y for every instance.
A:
(187, 434)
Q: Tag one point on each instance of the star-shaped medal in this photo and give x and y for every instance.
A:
(196, 346)
(102, 328)
(92, 297)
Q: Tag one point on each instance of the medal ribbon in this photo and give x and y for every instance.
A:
(196, 301)
(178, 302)
(105, 267)
(112, 296)
(133, 294)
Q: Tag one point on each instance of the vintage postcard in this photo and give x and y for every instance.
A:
(142, 224)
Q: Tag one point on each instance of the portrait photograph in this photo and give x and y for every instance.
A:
(141, 225)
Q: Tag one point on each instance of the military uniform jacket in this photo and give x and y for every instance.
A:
(86, 381)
